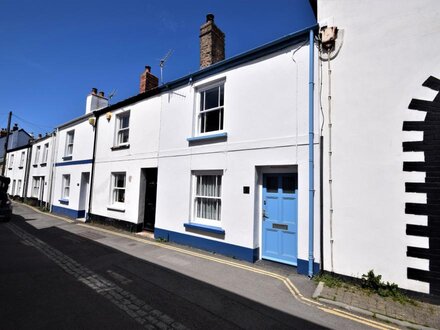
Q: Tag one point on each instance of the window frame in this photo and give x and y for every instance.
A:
(195, 196)
(65, 185)
(115, 190)
(201, 113)
(37, 154)
(70, 140)
(22, 158)
(118, 129)
(11, 161)
(36, 186)
(13, 193)
(19, 184)
(45, 153)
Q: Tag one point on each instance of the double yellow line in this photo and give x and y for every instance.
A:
(285, 280)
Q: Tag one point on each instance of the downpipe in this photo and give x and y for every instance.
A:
(311, 154)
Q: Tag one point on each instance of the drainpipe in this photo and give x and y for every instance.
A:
(311, 153)
(92, 172)
(54, 150)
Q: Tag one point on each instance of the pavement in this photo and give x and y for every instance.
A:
(414, 314)
(268, 289)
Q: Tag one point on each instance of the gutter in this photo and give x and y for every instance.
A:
(311, 153)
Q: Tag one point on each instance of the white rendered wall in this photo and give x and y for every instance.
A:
(75, 185)
(16, 172)
(142, 153)
(389, 49)
(266, 120)
(41, 169)
(82, 151)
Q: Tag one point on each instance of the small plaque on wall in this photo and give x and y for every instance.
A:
(246, 189)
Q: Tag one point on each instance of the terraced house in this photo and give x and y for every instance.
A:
(319, 150)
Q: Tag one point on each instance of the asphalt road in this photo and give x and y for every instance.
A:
(53, 279)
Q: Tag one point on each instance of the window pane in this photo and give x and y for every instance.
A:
(219, 185)
(120, 195)
(212, 98)
(124, 121)
(123, 136)
(212, 121)
(120, 181)
(272, 184)
(289, 184)
(222, 95)
(202, 101)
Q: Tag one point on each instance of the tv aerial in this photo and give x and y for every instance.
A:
(162, 64)
(112, 93)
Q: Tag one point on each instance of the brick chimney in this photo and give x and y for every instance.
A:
(212, 43)
(148, 80)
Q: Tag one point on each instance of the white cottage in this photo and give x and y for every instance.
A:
(380, 93)
(40, 170)
(218, 159)
(73, 161)
(126, 157)
(233, 170)
(17, 169)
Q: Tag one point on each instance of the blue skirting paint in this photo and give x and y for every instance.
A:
(208, 137)
(68, 212)
(75, 162)
(205, 228)
(303, 267)
(230, 250)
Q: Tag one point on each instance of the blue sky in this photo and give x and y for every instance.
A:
(53, 52)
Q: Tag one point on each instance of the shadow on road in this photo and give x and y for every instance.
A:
(35, 286)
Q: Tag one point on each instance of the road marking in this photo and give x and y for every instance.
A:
(137, 309)
(357, 318)
(285, 280)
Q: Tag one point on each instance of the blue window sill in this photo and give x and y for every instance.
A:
(67, 158)
(208, 137)
(123, 146)
(115, 208)
(64, 201)
(209, 229)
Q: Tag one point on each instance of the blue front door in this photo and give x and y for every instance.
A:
(280, 218)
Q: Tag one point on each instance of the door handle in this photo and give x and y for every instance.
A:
(264, 215)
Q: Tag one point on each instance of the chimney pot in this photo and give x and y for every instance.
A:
(210, 18)
(148, 68)
(94, 91)
(101, 93)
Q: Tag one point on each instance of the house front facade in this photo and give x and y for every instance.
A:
(17, 169)
(40, 170)
(73, 161)
(218, 159)
(233, 165)
(125, 167)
